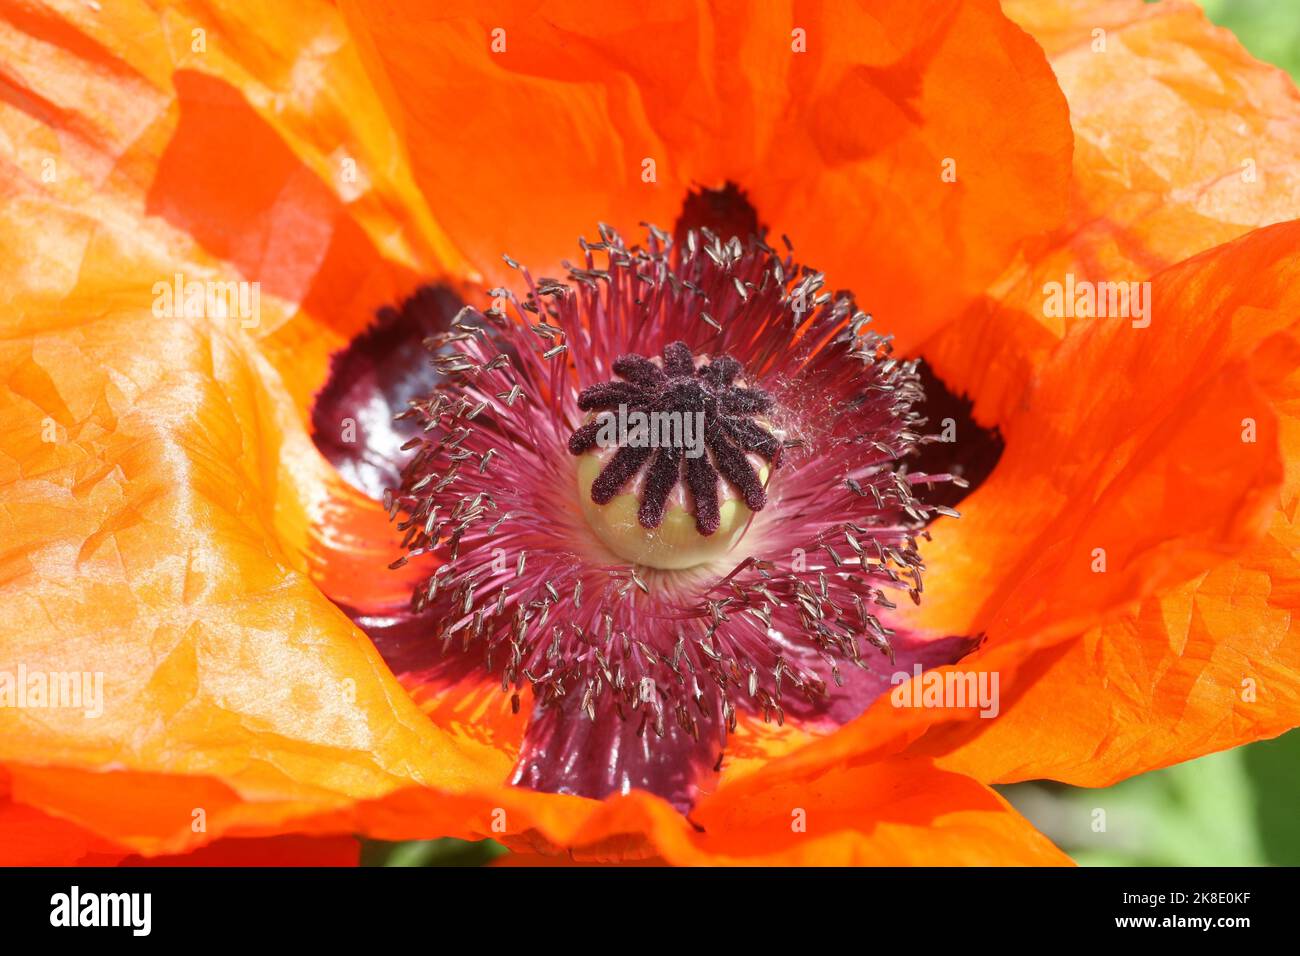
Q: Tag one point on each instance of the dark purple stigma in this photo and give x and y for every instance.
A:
(723, 411)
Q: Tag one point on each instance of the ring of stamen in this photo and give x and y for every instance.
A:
(488, 492)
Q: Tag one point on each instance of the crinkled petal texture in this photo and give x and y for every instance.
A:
(1213, 661)
(157, 482)
(1182, 141)
(938, 136)
(1169, 546)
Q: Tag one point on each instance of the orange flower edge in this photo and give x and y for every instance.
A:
(186, 487)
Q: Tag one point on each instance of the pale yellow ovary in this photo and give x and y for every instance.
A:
(675, 544)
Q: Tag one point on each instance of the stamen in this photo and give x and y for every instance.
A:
(501, 442)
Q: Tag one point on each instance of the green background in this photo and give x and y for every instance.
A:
(1270, 29)
(1236, 808)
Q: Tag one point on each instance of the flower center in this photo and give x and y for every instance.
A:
(657, 445)
(528, 404)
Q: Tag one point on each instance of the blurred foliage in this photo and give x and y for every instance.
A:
(1236, 808)
(444, 852)
(1270, 29)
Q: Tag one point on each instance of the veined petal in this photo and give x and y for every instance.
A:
(813, 109)
(146, 542)
(1148, 478)
(258, 145)
(918, 816)
(1207, 665)
(1183, 141)
(1126, 469)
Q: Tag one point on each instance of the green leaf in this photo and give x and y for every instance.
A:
(1235, 808)
(443, 852)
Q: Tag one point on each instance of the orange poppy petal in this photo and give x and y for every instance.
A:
(289, 850)
(918, 815)
(158, 480)
(921, 140)
(155, 494)
(121, 110)
(1210, 665)
(1183, 141)
(149, 498)
(114, 81)
(31, 837)
(1207, 665)
(1131, 443)
(1151, 468)
(524, 148)
(539, 121)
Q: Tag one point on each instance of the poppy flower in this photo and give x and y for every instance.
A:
(598, 648)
